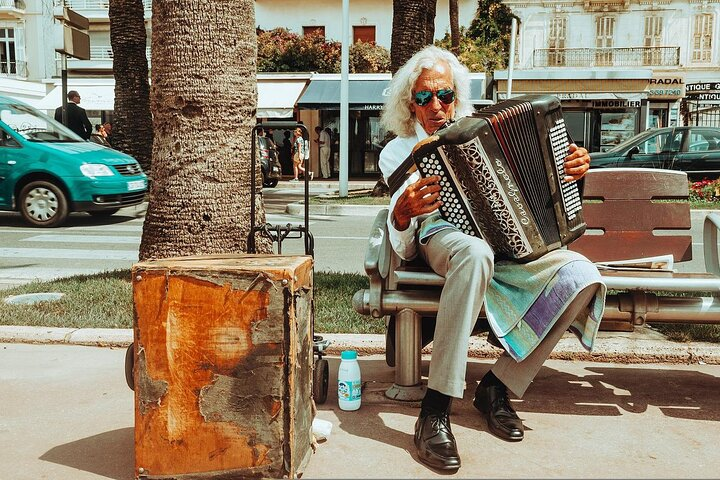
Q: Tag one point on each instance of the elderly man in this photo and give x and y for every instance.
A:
(431, 89)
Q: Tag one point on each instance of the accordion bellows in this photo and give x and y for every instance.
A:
(502, 177)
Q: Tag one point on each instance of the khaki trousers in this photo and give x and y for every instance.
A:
(466, 262)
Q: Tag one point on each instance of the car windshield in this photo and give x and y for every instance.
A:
(34, 125)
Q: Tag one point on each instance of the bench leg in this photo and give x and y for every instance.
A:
(407, 386)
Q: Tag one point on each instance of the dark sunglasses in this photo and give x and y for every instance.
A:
(445, 95)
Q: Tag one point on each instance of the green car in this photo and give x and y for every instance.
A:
(47, 171)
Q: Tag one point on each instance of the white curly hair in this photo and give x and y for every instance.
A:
(397, 116)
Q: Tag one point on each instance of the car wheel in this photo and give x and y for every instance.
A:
(270, 183)
(43, 204)
(104, 213)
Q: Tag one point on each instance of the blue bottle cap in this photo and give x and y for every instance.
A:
(348, 355)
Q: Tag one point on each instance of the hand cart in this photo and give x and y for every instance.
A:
(277, 234)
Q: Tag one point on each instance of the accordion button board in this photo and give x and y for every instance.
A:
(502, 177)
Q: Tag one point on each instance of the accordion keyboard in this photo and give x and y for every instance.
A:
(569, 191)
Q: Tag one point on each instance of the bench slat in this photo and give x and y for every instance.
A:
(626, 245)
(635, 184)
(637, 215)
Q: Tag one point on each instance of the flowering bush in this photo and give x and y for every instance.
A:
(704, 190)
(280, 50)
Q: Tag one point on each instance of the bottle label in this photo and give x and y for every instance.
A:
(349, 390)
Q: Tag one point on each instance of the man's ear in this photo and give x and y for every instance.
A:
(412, 107)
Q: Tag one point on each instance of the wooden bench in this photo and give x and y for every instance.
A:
(630, 213)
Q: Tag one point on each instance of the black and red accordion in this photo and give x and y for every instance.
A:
(502, 177)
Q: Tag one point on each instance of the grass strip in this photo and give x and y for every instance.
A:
(104, 300)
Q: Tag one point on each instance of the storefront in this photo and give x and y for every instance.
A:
(366, 97)
(701, 105)
(601, 108)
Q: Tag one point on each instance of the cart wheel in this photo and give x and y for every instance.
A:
(321, 374)
(129, 364)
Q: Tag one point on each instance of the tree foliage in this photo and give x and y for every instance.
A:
(280, 50)
(490, 31)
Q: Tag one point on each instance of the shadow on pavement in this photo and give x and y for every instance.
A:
(601, 391)
(110, 454)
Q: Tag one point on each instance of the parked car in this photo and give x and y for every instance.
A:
(695, 150)
(269, 163)
(47, 171)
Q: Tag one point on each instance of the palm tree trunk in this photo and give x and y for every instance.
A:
(204, 101)
(132, 123)
(413, 28)
(454, 27)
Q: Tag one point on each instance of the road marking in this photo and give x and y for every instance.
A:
(82, 239)
(59, 253)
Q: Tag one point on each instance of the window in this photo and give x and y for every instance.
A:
(556, 41)
(702, 38)
(319, 31)
(653, 39)
(364, 34)
(704, 140)
(661, 142)
(604, 32)
(8, 63)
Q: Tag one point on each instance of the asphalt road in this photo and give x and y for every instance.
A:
(87, 245)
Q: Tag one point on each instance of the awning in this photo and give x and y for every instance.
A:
(363, 94)
(277, 99)
(92, 97)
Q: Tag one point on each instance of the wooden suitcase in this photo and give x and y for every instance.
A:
(223, 366)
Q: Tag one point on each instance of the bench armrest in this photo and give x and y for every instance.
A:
(710, 243)
(377, 255)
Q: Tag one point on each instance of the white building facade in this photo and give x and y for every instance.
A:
(619, 66)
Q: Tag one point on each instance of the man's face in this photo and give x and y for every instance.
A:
(433, 115)
(76, 99)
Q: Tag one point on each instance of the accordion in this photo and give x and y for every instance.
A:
(502, 177)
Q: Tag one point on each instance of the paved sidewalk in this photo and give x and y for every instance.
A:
(68, 415)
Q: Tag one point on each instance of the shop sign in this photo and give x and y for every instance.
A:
(665, 87)
(618, 103)
(703, 91)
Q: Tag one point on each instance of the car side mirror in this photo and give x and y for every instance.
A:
(633, 151)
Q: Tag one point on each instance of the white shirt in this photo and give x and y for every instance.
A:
(404, 242)
(324, 139)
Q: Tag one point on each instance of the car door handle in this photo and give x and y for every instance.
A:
(11, 162)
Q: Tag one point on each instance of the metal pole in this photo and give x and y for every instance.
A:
(344, 98)
(511, 61)
(64, 88)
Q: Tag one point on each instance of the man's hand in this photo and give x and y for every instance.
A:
(418, 199)
(577, 163)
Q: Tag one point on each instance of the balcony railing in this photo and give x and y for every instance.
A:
(98, 53)
(13, 69)
(91, 4)
(607, 57)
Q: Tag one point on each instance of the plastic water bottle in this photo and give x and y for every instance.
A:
(349, 381)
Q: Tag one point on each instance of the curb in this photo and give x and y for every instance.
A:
(335, 210)
(645, 346)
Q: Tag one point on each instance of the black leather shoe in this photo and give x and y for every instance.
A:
(493, 401)
(435, 442)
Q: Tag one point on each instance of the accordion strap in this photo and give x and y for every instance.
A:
(401, 174)
(407, 167)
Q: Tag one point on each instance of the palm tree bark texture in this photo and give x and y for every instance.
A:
(413, 28)
(132, 123)
(204, 101)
